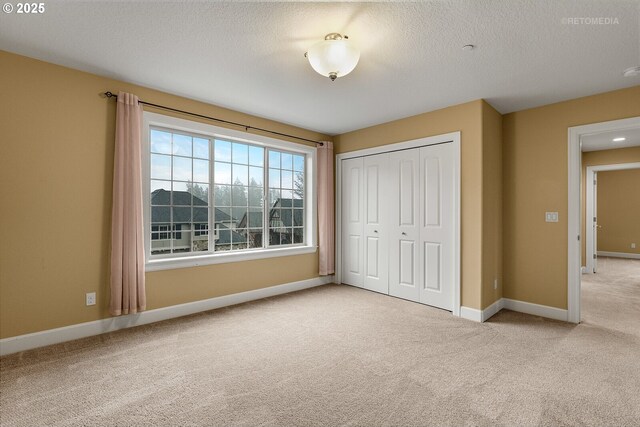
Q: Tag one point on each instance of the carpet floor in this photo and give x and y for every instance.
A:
(341, 356)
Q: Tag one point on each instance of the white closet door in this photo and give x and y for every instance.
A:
(404, 240)
(437, 225)
(376, 230)
(352, 222)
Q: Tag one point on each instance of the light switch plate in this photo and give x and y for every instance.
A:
(551, 216)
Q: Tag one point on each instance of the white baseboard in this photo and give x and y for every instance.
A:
(492, 309)
(82, 330)
(619, 255)
(471, 314)
(513, 305)
(481, 315)
(536, 309)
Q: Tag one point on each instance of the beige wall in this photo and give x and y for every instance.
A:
(596, 158)
(619, 211)
(466, 118)
(491, 204)
(535, 180)
(56, 161)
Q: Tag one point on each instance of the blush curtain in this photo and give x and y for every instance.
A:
(326, 227)
(127, 238)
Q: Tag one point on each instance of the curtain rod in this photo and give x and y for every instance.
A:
(246, 127)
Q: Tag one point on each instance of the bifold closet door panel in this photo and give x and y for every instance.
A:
(404, 240)
(437, 225)
(352, 202)
(376, 220)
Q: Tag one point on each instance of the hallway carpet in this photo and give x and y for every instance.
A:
(338, 356)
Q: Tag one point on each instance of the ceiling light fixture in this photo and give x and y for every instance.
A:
(333, 57)
(632, 72)
(619, 139)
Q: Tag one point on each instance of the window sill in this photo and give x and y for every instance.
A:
(221, 258)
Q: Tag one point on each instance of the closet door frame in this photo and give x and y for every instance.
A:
(453, 138)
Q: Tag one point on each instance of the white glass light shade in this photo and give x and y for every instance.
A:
(333, 57)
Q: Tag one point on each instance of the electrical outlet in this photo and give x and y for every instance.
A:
(551, 216)
(495, 284)
(91, 298)
(633, 246)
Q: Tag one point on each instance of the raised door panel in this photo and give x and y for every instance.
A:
(352, 222)
(437, 217)
(403, 197)
(376, 182)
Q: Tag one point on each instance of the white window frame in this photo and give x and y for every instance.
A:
(193, 259)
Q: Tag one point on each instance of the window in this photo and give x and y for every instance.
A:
(255, 193)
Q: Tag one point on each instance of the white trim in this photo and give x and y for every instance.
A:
(494, 308)
(481, 315)
(535, 309)
(619, 255)
(471, 314)
(219, 258)
(454, 138)
(82, 330)
(207, 129)
(574, 247)
(513, 305)
(590, 196)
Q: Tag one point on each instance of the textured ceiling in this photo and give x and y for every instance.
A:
(604, 140)
(248, 56)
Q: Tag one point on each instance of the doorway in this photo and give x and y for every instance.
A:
(613, 135)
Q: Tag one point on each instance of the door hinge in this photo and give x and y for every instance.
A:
(578, 237)
(594, 219)
(595, 256)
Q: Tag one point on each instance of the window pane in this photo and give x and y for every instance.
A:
(274, 237)
(200, 193)
(256, 176)
(200, 170)
(182, 239)
(274, 159)
(160, 192)
(298, 235)
(222, 195)
(274, 178)
(182, 145)
(256, 156)
(254, 219)
(223, 216)
(286, 160)
(286, 195)
(240, 175)
(274, 197)
(222, 151)
(298, 163)
(237, 213)
(240, 153)
(298, 217)
(201, 148)
(201, 216)
(160, 214)
(182, 215)
(239, 195)
(222, 173)
(298, 185)
(160, 142)
(160, 166)
(255, 196)
(181, 197)
(200, 243)
(255, 238)
(181, 169)
(287, 179)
